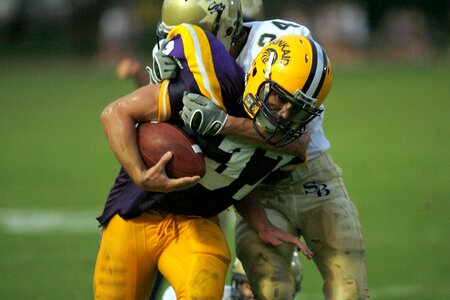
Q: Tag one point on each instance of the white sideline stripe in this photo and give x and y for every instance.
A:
(394, 291)
(17, 221)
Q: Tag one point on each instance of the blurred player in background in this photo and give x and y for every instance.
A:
(252, 10)
(148, 223)
(310, 199)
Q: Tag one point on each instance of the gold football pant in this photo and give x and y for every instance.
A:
(311, 201)
(191, 252)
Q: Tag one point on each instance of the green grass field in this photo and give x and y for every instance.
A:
(390, 132)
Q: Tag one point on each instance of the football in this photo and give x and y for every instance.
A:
(155, 139)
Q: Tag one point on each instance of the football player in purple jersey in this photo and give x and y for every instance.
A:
(153, 222)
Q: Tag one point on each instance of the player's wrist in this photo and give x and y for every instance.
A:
(138, 173)
(230, 125)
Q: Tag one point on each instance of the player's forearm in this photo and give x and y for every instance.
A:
(121, 134)
(243, 129)
(253, 212)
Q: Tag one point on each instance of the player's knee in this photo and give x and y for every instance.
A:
(346, 289)
(272, 281)
(341, 290)
(269, 289)
(206, 278)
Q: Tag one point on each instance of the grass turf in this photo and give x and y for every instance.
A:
(389, 129)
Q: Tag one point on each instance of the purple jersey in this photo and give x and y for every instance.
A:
(233, 168)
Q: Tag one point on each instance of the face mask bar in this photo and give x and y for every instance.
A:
(236, 281)
(162, 30)
(302, 108)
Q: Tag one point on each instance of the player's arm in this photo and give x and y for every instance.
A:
(119, 119)
(205, 117)
(253, 212)
(242, 128)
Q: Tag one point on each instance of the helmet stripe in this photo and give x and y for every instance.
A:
(323, 73)
(313, 67)
(316, 76)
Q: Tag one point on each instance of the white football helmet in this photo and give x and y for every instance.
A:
(223, 18)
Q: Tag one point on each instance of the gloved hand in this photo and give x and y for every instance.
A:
(164, 67)
(202, 115)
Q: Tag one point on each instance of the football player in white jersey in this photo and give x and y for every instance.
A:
(309, 198)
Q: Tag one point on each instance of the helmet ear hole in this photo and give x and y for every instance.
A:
(254, 72)
(229, 31)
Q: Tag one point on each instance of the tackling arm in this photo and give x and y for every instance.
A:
(202, 115)
(252, 212)
(242, 128)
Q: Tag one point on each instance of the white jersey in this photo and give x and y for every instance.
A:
(261, 33)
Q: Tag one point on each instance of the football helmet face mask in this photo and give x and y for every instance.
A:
(238, 279)
(298, 71)
(297, 272)
(223, 18)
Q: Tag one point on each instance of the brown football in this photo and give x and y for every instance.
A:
(155, 139)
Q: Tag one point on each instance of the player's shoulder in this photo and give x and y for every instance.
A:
(278, 27)
(186, 31)
(191, 40)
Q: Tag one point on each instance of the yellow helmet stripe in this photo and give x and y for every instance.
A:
(201, 63)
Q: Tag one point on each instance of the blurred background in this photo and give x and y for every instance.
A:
(104, 29)
(387, 118)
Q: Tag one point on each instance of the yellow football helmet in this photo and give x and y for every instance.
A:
(223, 18)
(298, 70)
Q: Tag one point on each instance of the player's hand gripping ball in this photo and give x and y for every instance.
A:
(155, 139)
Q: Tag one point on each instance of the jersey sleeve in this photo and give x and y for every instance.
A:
(263, 32)
(206, 68)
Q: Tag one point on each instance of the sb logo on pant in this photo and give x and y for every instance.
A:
(319, 189)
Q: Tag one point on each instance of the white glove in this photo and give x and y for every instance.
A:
(202, 115)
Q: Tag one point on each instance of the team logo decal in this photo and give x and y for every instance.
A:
(266, 56)
(284, 49)
(319, 189)
(216, 7)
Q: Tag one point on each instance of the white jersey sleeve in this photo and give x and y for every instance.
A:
(261, 33)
